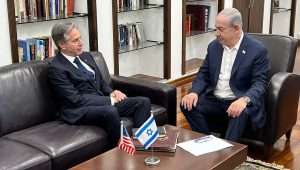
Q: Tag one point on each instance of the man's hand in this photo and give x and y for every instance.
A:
(189, 100)
(118, 96)
(236, 107)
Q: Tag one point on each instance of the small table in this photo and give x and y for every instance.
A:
(116, 159)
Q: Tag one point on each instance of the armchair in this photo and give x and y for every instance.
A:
(162, 96)
(282, 96)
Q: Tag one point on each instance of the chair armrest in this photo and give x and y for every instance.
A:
(282, 104)
(159, 93)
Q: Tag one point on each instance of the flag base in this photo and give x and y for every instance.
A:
(152, 161)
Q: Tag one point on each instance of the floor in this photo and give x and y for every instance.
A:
(285, 153)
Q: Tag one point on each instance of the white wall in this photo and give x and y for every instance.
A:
(267, 15)
(176, 38)
(297, 20)
(105, 32)
(228, 3)
(5, 57)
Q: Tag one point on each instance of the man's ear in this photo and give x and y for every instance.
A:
(237, 27)
(62, 45)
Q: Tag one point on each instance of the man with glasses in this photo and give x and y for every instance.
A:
(84, 96)
(230, 85)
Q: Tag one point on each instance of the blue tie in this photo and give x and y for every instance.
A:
(83, 70)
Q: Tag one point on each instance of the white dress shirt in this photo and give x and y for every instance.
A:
(223, 89)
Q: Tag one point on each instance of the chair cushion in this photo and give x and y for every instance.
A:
(66, 144)
(15, 155)
(160, 114)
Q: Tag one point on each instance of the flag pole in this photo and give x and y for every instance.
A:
(152, 160)
(121, 130)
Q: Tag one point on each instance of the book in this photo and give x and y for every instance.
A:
(166, 141)
(140, 32)
(199, 16)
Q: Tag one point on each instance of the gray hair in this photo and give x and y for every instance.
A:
(234, 16)
(60, 32)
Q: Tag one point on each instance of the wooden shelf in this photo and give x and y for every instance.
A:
(44, 19)
(279, 10)
(187, 1)
(147, 6)
(195, 33)
(193, 64)
(146, 44)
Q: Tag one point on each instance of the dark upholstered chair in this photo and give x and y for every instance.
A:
(282, 95)
(32, 138)
(162, 96)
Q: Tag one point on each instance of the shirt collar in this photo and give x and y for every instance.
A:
(237, 45)
(68, 57)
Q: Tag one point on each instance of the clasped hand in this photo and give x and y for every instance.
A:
(234, 110)
(118, 96)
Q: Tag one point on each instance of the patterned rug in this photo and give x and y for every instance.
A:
(252, 164)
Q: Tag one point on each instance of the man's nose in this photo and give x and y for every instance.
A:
(217, 33)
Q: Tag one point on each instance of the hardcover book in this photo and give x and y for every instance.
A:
(165, 142)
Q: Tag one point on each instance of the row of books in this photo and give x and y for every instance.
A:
(33, 9)
(35, 48)
(197, 18)
(131, 34)
(130, 4)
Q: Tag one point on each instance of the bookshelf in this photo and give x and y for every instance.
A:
(141, 35)
(198, 29)
(38, 24)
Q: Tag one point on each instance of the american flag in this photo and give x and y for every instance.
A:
(125, 143)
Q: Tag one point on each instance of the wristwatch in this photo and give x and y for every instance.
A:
(247, 99)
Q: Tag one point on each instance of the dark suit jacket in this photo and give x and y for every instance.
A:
(73, 90)
(249, 75)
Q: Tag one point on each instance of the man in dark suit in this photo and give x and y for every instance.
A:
(230, 86)
(84, 96)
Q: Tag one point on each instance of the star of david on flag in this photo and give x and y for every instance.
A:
(125, 143)
(147, 133)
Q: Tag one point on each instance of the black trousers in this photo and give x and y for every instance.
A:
(210, 116)
(108, 117)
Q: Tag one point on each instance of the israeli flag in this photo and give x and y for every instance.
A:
(147, 133)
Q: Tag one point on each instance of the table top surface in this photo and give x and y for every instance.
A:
(116, 159)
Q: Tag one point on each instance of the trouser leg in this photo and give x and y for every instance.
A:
(199, 117)
(136, 107)
(106, 117)
(236, 127)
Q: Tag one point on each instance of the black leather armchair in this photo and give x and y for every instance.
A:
(162, 96)
(32, 138)
(283, 91)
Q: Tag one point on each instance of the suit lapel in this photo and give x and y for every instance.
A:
(90, 63)
(87, 61)
(68, 64)
(240, 56)
(218, 62)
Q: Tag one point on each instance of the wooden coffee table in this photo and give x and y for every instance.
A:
(116, 159)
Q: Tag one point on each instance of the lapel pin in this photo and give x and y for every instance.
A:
(244, 52)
